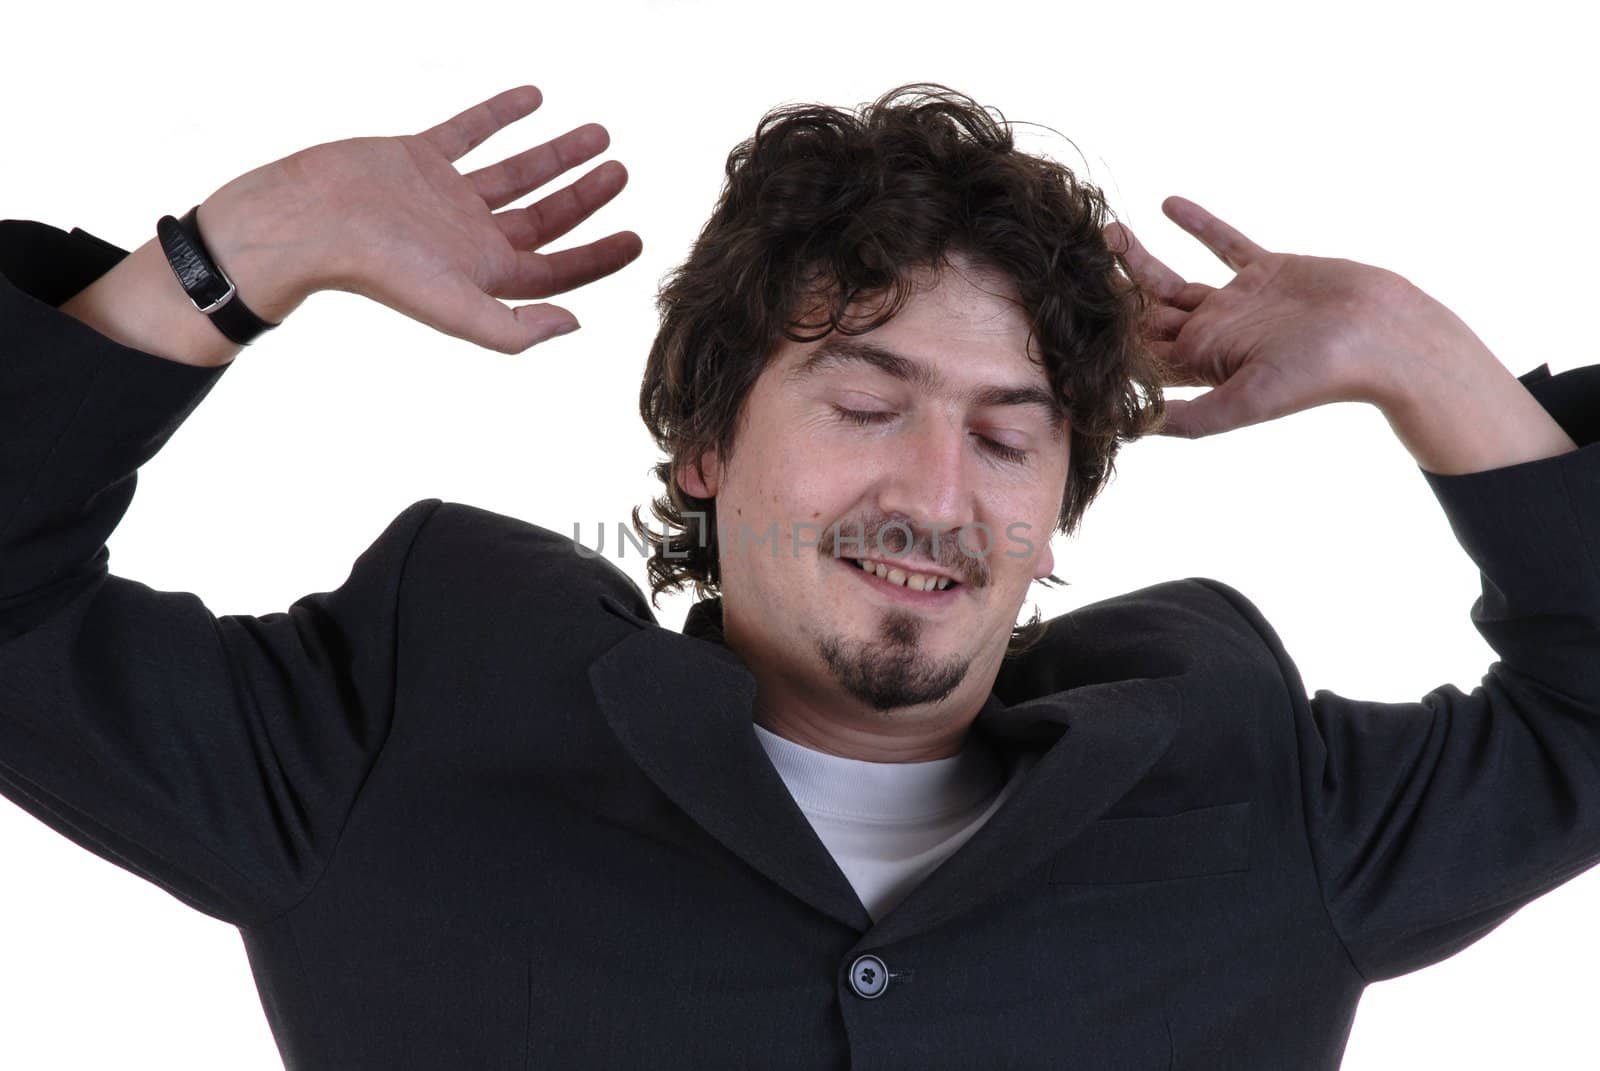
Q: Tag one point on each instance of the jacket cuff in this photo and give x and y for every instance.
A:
(1533, 528)
(50, 264)
(52, 359)
(79, 412)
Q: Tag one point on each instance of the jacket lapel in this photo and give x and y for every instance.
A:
(1105, 737)
(684, 710)
(682, 705)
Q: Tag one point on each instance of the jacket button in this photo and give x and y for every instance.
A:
(869, 977)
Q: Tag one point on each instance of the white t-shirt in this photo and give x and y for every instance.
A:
(890, 824)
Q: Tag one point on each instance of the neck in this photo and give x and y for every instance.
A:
(825, 731)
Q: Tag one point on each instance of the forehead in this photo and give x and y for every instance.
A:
(963, 321)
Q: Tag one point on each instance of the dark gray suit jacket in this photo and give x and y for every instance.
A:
(475, 809)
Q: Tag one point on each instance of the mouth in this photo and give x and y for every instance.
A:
(909, 587)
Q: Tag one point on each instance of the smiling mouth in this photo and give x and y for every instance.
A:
(902, 578)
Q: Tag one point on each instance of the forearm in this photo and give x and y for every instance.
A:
(79, 414)
(141, 304)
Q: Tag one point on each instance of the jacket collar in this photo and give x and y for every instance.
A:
(683, 707)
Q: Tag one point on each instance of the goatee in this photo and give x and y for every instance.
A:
(892, 671)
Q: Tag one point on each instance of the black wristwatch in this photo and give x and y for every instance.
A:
(208, 287)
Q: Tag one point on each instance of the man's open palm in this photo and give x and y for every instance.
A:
(396, 222)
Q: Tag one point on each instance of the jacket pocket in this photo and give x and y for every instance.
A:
(1209, 840)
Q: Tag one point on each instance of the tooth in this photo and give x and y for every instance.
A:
(880, 569)
(897, 577)
(917, 582)
(944, 582)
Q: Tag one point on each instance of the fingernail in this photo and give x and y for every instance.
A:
(566, 329)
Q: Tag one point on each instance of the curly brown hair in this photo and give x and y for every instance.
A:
(825, 208)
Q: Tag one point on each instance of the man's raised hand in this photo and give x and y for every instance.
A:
(392, 219)
(1285, 334)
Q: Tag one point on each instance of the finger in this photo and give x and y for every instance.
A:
(459, 134)
(500, 184)
(1172, 371)
(1190, 297)
(467, 312)
(1164, 322)
(1175, 371)
(1152, 276)
(1233, 248)
(543, 274)
(550, 218)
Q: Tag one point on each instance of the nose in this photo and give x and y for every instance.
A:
(929, 478)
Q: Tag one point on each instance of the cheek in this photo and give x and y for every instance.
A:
(1022, 528)
(803, 479)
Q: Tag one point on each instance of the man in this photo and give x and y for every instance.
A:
(474, 808)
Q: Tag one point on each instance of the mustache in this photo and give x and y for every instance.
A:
(954, 549)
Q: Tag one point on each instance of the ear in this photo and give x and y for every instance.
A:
(700, 482)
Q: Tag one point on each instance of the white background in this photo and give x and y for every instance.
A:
(1449, 143)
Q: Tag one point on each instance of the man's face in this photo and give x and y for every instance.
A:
(935, 426)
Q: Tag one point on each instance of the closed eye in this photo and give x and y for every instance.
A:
(862, 416)
(867, 417)
(1004, 452)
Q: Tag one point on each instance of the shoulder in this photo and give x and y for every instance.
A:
(469, 556)
(1197, 631)
(1196, 611)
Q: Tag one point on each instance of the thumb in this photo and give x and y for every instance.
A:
(1175, 422)
(465, 311)
(1222, 408)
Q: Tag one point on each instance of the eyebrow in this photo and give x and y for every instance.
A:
(838, 352)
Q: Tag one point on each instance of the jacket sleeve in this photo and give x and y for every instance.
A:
(217, 757)
(1432, 822)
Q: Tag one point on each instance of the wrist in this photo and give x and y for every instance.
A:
(1427, 352)
(250, 228)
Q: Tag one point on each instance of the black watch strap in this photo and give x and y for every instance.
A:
(211, 291)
